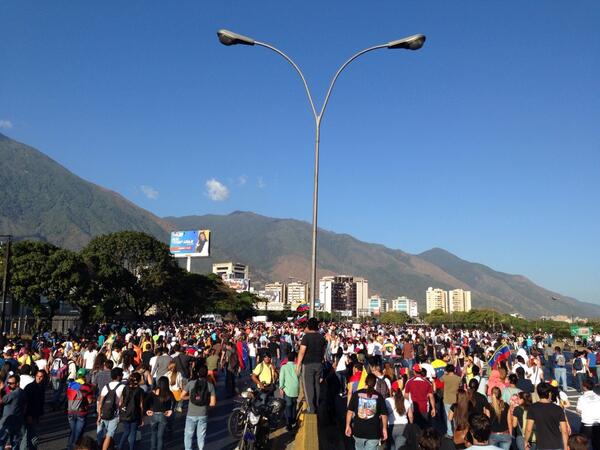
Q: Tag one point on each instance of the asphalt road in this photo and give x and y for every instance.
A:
(54, 428)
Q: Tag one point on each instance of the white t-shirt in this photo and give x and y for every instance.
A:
(25, 380)
(41, 364)
(88, 359)
(113, 385)
(393, 417)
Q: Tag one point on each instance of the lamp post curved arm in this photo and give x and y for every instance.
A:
(295, 66)
(342, 67)
(228, 38)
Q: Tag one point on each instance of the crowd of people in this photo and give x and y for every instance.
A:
(387, 386)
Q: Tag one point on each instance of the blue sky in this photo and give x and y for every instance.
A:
(486, 142)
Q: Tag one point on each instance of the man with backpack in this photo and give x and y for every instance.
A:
(80, 396)
(560, 367)
(580, 370)
(108, 409)
(201, 395)
(58, 375)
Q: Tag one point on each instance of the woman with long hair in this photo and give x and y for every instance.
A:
(501, 427)
(161, 404)
(518, 416)
(175, 383)
(459, 417)
(478, 403)
(400, 414)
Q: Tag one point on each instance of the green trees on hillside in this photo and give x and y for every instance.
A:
(126, 273)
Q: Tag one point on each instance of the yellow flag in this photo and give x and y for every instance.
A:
(361, 382)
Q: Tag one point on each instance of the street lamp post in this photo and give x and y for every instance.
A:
(7, 239)
(228, 38)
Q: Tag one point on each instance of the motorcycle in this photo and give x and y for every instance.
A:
(253, 420)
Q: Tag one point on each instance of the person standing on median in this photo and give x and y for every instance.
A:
(288, 387)
(310, 360)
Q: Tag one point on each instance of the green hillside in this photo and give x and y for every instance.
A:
(40, 199)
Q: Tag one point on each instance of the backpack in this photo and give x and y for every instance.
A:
(74, 401)
(577, 364)
(128, 411)
(199, 393)
(108, 409)
(382, 388)
(59, 369)
(560, 360)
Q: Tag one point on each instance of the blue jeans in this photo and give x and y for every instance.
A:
(501, 440)
(290, 409)
(365, 444)
(157, 427)
(195, 424)
(560, 374)
(76, 424)
(396, 433)
(252, 362)
(58, 386)
(129, 435)
(448, 422)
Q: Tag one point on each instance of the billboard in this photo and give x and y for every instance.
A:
(190, 243)
(237, 284)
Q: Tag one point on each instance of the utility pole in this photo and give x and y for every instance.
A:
(5, 281)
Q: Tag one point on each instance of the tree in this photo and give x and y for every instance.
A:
(131, 270)
(31, 274)
(397, 318)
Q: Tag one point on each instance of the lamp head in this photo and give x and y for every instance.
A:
(227, 37)
(414, 42)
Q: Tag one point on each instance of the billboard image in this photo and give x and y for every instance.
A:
(237, 284)
(190, 243)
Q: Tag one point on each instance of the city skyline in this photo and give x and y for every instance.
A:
(157, 110)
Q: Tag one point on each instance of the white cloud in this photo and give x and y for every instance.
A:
(216, 190)
(149, 192)
(261, 183)
(242, 180)
(6, 124)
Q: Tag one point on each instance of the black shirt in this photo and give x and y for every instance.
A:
(547, 418)
(315, 348)
(525, 385)
(499, 423)
(479, 403)
(367, 414)
(34, 393)
(156, 404)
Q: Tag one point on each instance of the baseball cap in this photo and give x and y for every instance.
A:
(416, 367)
(81, 372)
(554, 383)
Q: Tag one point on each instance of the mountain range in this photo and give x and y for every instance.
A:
(40, 199)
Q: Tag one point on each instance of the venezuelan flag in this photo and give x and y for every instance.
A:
(502, 353)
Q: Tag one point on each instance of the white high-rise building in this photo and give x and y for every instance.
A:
(436, 299)
(377, 305)
(459, 300)
(405, 305)
(362, 296)
(298, 292)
